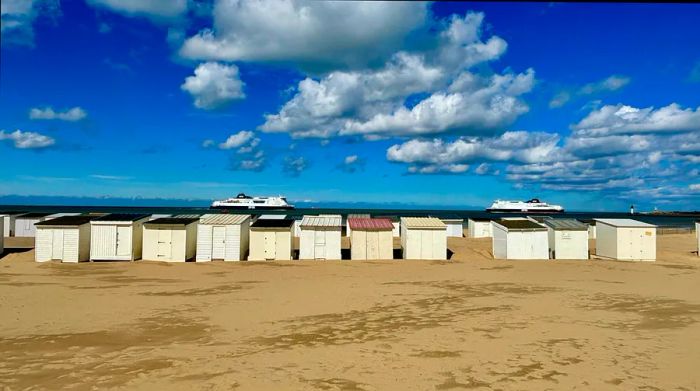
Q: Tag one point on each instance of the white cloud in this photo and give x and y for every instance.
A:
(237, 140)
(255, 162)
(623, 119)
(350, 159)
(560, 99)
(313, 35)
(110, 177)
(17, 19)
(208, 143)
(47, 113)
(612, 83)
(375, 103)
(27, 140)
(694, 187)
(154, 9)
(523, 147)
(214, 85)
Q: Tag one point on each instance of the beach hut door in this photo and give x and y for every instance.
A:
(270, 245)
(218, 245)
(57, 244)
(319, 244)
(164, 243)
(123, 241)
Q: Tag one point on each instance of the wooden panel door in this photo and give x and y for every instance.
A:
(218, 242)
(165, 245)
(123, 242)
(57, 244)
(319, 244)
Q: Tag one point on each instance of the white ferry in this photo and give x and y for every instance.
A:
(532, 206)
(243, 201)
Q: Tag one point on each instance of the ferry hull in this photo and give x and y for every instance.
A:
(245, 207)
(497, 210)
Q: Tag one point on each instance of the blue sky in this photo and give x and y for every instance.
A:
(592, 106)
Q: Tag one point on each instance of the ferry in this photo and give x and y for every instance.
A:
(243, 201)
(532, 206)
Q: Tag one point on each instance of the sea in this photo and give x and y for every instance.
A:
(659, 220)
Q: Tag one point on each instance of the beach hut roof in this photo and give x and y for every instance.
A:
(66, 221)
(367, 224)
(13, 212)
(189, 215)
(223, 219)
(566, 225)
(122, 217)
(359, 216)
(173, 221)
(480, 219)
(33, 215)
(423, 222)
(627, 223)
(321, 221)
(587, 221)
(540, 219)
(272, 223)
(521, 225)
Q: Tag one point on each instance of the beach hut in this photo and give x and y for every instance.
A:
(519, 239)
(297, 224)
(539, 219)
(454, 226)
(24, 224)
(591, 228)
(479, 228)
(170, 239)
(625, 239)
(348, 230)
(65, 239)
(371, 238)
(568, 239)
(320, 237)
(9, 222)
(222, 236)
(271, 240)
(159, 216)
(423, 238)
(117, 237)
(396, 222)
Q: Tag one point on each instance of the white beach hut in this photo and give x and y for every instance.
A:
(591, 228)
(348, 230)
(568, 239)
(371, 238)
(396, 222)
(65, 239)
(519, 239)
(9, 222)
(24, 224)
(539, 219)
(222, 236)
(454, 226)
(170, 239)
(625, 239)
(159, 216)
(423, 238)
(297, 224)
(479, 228)
(320, 237)
(117, 237)
(271, 240)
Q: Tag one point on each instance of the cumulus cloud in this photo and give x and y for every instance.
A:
(153, 9)
(624, 119)
(315, 35)
(251, 162)
(560, 99)
(294, 166)
(352, 163)
(17, 19)
(237, 140)
(437, 154)
(47, 113)
(214, 85)
(375, 103)
(27, 140)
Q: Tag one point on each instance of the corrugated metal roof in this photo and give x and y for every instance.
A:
(452, 220)
(359, 216)
(566, 225)
(66, 220)
(272, 223)
(172, 221)
(122, 217)
(223, 219)
(272, 217)
(367, 224)
(323, 221)
(520, 225)
(188, 216)
(422, 222)
(539, 219)
(625, 223)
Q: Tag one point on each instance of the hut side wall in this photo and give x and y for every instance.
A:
(636, 244)
(606, 241)
(568, 244)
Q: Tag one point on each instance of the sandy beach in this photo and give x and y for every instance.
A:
(470, 323)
